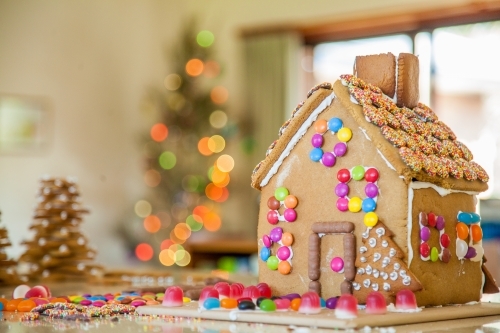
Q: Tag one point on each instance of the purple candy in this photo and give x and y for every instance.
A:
(317, 140)
(440, 223)
(267, 241)
(340, 149)
(371, 190)
(283, 253)
(331, 303)
(471, 253)
(328, 159)
(341, 190)
(291, 297)
(425, 234)
(290, 215)
(276, 234)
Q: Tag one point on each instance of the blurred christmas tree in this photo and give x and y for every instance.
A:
(186, 163)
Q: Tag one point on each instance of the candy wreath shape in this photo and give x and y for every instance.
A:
(282, 198)
(334, 126)
(282, 261)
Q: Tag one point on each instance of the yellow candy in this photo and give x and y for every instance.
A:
(354, 204)
(344, 134)
(370, 219)
(186, 299)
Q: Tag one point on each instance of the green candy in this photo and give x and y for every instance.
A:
(272, 262)
(358, 172)
(281, 193)
(434, 254)
(267, 305)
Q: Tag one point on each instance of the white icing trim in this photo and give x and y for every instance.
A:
(385, 160)
(364, 132)
(296, 137)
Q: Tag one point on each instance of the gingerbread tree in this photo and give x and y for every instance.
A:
(8, 267)
(59, 251)
(380, 266)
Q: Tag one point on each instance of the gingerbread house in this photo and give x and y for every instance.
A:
(365, 189)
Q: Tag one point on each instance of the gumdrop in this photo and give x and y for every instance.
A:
(375, 303)
(405, 300)
(236, 290)
(265, 290)
(347, 307)
(310, 303)
(173, 297)
(252, 292)
(223, 288)
(206, 293)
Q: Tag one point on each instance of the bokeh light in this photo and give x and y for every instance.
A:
(213, 193)
(176, 101)
(165, 258)
(200, 211)
(152, 223)
(144, 252)
(225, 163)
(179, 211)
(218, 119)
(165, 244)
(176, 239)
(220, 179)
(203, 147)
(172, 82)
(216, 143)
(190, 183)
(164, 218)
(142, 208)
(211, 221)
(194, 222)
(194, 67)
(186, 259)
(159, 132)
(210, 172)
(212, 69)
(152, 178)
(167, 160)
(224, 196)
(219, 94)
(205, 38)
(182, 231)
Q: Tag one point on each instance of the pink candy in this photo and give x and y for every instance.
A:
(282, 303)
(310, 303)
(375, 303)
(405, 300)
(207, 292)
(173, 297)
(265, 290)
(223, 288)
(236, 290)
(347, 307)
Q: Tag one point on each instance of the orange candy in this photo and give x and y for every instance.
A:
(12, 304)
(4, 302)
(462, 230)
(320, 126)
(228, 303)
(284, 267)
(295, 304)
(287, 239)
(476, 232)
(291, 201)
(58, 300)
(26, 305)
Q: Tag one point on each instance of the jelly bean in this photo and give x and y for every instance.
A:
(228, 303)
(343, 175)
(425, 250)
(445, 255)
(3, 302)
(316, 154)
(276, 234)
(186, 299)
(328, 159)
(291, 201)
(434, 254)
(375, 303)
(406, 300)
(272, 217)
(2, 306)
(283, 253)
(284, 267)
(354, 204)
(138, 302)
(264, 289)
(173, 297)
(342, 204)
(370, 219)
(322, 302)
(464, 217)
(152, 302)
(287, 239)
(40, 301)
(341, 190)
(280, 193)
(12, 304)
(347, 307)
(26, 305)
(317, 140)
(371, 175)
(337, 265)
(476, 232)
(444, 240)
(439, 223)
(344, 134)
(282, 304)
(295, 304)
(431, 219)
(358, 172)
(259, 300)
(335, 124)
(331, 303)
(461, 248)
(211, 303)
(246, 305)
(291, 297)
(267, 305)
(462, 230)
(368, 205)
(371, 190)
(126, 300)
(425, 234)
(471, 252)
(273, 203)
(290, 215)
(340, 149)
(223, 288)
(475, 218)
(310, 303)
(320, 126)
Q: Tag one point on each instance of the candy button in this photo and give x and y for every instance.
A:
(434, 254)
(316, 154)
(328, 159)
(340, 149)
(290, 215)
(320, 126)
(344, 134)
(342, 204)
(267, 241)
(86, 302)
(284, 267)
(371, 190)
(343, 175)
(228, 303)
(267, 305)
(317, 140)
(354, 204)
(272, 217)
(370, 219)
(337, 265)
(287, 239)
(425, 234)
(335, 124)
(358, 172)
(265, 253)
(98, 303)
(211, 303)
(283, 253)
(291, 201)
(368, 205)
(276, 234)
(280, 193)
(371, 175)
(439, 223)
(282, 304)
(246, 305)
(273, 203)
(272, 263)
(138, 302)
(341, 190)
(331, 303)
(425, 250)
(431, 219)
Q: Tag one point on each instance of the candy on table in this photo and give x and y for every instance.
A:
(252, 292)
(282, 304)
(267, 305)
(295, 304)
(310, 303)
(211, 303)
(347, 307)
(246, 305)
(173, 297)
(331, 303)
(236, 290)
(206, 292)
(406, 300)
(375, 303)
(223, 288)
(264, 289)
(228, 303)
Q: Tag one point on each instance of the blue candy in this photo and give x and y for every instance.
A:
(368, 205)
(468, 218)
(265, 253)
(322, 302)
(211, 303)
(316, 154)
(335, 124)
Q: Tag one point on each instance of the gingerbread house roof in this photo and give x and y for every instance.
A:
(414, 142)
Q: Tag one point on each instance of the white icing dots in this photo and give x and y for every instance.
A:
(397, 266)
(393, 276)
(362, 259)
(356, 286)
(367, 283)
(406, 280)
(375, 286)
(386, 261)
(372, 242)
(380, 232)
(386, 286)
(363, 249)
(392, 252)
(385, 243)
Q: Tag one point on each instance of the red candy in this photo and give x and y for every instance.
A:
(173, 297)
(343, 175)
(425, 250)
(310, 303)
(445, 240)
(236, 290)
(272, 217)
(405, 300)
(265, 290)
(371, 175)
(207, 292)
(347, 307)
(431, 219)
(251, 292)
(223, 288)
(375, 303)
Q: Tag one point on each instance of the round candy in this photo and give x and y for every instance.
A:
(368, 205)
(370, 219)
(425, 234)
(335, 124)
(267, 305)
(267, 241)
(337, 265)
(440, 223)
(340, 149)
(328, 159)
(276, 234)
(425, 250)
(444, 240)
(341, 190)
(280, 193)
(358, 172)
(462, 230)
(283, 253)
(273, 203)
(317, 140)
(320, 126)
(342, 204)
(434, 254)
(284, 267)
(344, 134)
(355, 204)
(316, 154)
(272, 263)
(272, 217)
(265, 253)
(371, 175)
(343, 175)
(290, 215)
(371, 190)
(431, 219)
(291, 201)
(476, 232)
(287, 239)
